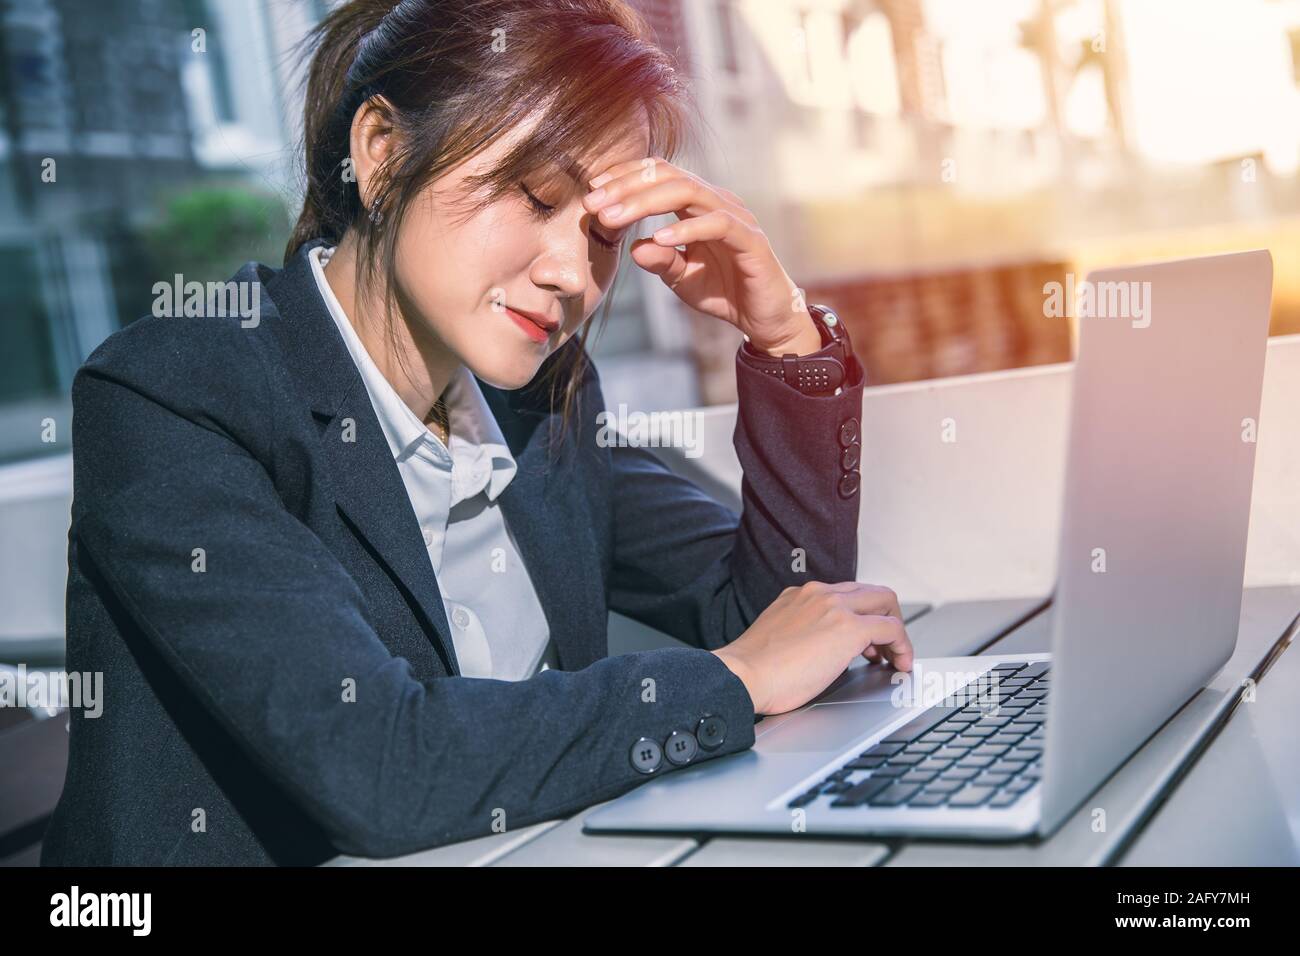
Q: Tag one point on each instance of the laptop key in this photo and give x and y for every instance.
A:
(1009, 766)
(864, 763)
(970, 796)
(919, 725)
(895, 796)
(976, 761)
(918, 776)
(935, 765)
(959, 773)
(991, 779)
(882, 750)
(949, 753)
(1004, 799)
(805, 798)
(890, 770)
(905, 759)
(927, 799)
(944, 786)
(863, 791)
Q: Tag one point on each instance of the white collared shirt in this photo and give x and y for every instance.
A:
(495, 618)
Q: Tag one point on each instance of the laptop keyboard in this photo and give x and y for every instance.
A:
(960, 753)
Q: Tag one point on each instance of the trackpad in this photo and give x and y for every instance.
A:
(827, 727)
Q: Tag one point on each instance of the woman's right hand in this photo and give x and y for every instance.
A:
(807, 637)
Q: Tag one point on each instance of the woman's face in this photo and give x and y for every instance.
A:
(471, 280)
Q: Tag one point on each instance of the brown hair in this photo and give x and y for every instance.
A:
(454, 75)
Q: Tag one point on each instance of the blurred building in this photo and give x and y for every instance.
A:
(932, 160)
(920, 164)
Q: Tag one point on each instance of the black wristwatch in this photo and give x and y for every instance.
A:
(818, 373)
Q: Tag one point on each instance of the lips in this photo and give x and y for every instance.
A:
(534, 324)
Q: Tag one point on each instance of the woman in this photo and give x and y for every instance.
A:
(346, 564)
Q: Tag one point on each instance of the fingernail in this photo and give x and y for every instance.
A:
(613, 211)
(601, 180)
(596, 197)
(664, 235)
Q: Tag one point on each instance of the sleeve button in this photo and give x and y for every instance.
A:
(681, 747)
(849, 432)
(849, 483)
(852, 455)
(711, 732)
(646, 755)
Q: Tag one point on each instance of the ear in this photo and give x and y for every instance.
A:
(372, 142)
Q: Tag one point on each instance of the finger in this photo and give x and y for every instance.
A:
(868, 598)
(716, 226)
(889, 638)
(626, 178)
(626, 202)
(898, 651)
(664, 261)
(690, 195)
(653, 166)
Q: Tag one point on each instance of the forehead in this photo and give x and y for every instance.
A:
(627, 141)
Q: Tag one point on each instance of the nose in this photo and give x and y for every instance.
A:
(562, 268)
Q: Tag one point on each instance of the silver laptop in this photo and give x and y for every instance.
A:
(1166, 397)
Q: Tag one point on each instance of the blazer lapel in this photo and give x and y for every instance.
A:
(367, 485)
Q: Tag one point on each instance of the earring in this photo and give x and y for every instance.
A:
(375, 215)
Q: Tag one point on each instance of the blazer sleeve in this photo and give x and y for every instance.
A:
(267, 630)
(693, 568)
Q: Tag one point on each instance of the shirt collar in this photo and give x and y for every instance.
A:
(478, 459)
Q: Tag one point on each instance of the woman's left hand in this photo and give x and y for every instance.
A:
(728, 269)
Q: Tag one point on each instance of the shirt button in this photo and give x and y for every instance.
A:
(461, 617)
(428, 538)
(681, 747)
(646, 755)
(849, 432)
(711, 732)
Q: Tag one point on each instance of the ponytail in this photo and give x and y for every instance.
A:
(334, 45)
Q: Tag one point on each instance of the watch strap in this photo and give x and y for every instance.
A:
(818, 373)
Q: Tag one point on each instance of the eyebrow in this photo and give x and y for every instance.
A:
(576, 171)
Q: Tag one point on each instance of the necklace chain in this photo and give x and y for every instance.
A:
(440, 419)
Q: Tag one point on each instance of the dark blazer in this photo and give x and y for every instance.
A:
(299, 697)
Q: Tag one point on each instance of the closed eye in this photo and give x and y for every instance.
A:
(545, 211)
(541, 208)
